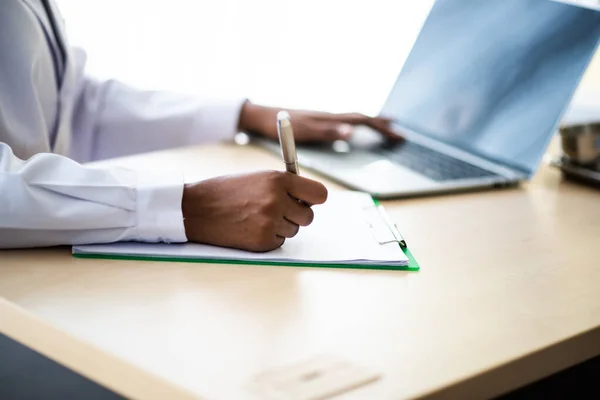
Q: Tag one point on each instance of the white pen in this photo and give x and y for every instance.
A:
(287, 142)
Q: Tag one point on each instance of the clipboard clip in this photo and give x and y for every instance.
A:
(383, 229)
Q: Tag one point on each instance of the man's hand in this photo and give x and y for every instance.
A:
(255, 212)
(310, 126)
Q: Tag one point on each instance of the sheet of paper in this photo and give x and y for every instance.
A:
(339, 234)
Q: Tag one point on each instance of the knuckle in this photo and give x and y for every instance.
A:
(275, 177)
(269, 205)
(265, 227)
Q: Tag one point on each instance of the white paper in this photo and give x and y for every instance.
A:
(339, 234)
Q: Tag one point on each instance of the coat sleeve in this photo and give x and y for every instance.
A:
(52, 200)
(112, 119)
(48, 199)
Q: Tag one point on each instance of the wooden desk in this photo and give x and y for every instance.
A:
(105, 369)
(509, 292)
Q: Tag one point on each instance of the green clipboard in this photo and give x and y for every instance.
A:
(411, 266)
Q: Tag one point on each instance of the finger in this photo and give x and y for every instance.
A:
(287, 229)
(329, 131)
(307, 190)
(278, 242)
(298, 213)
(384, 127)
(348, 118)
(381, 124)
(310, 130)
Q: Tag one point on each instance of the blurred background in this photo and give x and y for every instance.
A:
(331, 55)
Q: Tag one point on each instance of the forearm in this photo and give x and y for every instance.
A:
(112, 120)
(51, 200)
(257, 119)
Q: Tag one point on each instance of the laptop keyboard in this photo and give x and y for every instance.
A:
(431, 163)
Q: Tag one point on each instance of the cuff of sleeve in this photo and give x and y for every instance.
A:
(159, 215)
(220, 118)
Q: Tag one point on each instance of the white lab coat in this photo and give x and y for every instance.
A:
(52, 116)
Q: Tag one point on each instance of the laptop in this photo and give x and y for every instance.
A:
(478, 99)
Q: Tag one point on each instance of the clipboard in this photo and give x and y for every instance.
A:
(386, 231)
(374, 224)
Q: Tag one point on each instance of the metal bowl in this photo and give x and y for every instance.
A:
(581, 144)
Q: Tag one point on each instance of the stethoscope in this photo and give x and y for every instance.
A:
(55, 30)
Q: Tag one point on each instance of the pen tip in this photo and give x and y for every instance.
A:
(283, 115)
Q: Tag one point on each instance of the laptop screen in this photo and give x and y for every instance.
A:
(494, 77)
